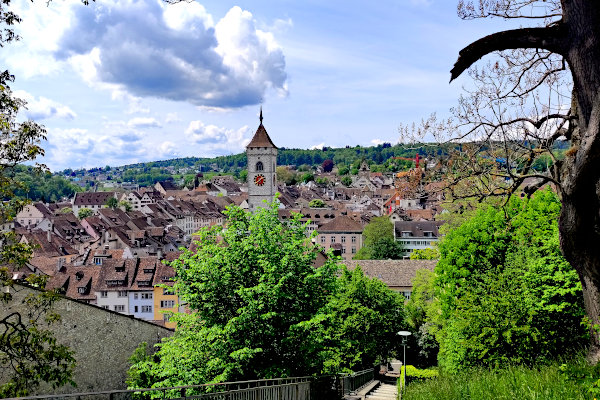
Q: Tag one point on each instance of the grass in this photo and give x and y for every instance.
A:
(572, 381)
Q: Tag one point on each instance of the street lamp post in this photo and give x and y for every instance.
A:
(405, 335)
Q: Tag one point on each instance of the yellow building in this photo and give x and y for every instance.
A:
(164, 300)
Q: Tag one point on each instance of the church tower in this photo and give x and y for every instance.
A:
(262, 161)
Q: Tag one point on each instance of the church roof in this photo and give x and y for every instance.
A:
(261, 137)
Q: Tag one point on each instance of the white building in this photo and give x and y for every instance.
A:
(414, 235)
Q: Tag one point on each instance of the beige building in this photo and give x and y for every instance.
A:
(341, 231)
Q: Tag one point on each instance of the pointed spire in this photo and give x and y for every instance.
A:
(261, 137)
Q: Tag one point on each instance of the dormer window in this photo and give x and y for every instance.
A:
(98, 260)
(259, 166)
(79, 275)
(406, 234)
(428, 234)
(81, 290)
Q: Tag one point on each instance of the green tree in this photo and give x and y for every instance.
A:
(343, 170)
(244, 175)
(378, 241)
(356, 328)
(285, 175)
(112, 202)
(248, 285)
(84, 213)
(126, 205)
(346, 181)
(307, 177)
(316, 203)
(425, 254)
(506, 293)
(423, 317)
(322, 181)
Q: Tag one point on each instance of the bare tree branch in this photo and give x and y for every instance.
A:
(548, 38)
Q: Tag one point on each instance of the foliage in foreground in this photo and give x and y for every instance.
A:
(506, 293)
(379, 243)
(261, 309)
(573, 381)
(29, 352)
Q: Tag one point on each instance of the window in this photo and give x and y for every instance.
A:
(119, 308)
(104, 294)
(322, 239)
(406, 294)
(135, 308)
(353, 250)
(106, 307)
(259, 166)
(353, 239)
(98, 260)
(122, 293)
(146, 309)
(343, 239)
(146, 296)
(81, 290)
(167, 291)
(167, 303)
(332, 239)
(167, 317)
(135, 296)
(343, 250)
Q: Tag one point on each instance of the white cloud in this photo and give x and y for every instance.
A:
(215, 139)
(167, 149)
(143, 122)
(377, 142)
(317, 146)
(150, 49)
(172, 117)
(43, 108)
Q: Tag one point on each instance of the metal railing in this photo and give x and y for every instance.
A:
(355, 381)
(327, 387)
(265, 389)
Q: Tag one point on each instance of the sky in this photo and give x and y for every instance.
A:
(124, 81)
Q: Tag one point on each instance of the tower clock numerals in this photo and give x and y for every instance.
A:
(259, 180)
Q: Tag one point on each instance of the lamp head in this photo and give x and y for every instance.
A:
(403, 333)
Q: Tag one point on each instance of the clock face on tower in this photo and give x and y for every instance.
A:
(259, 180)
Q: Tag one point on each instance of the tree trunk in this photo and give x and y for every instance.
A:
(579, 223)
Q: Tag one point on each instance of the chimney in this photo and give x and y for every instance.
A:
(159, 254)
(49, 236)
(59, 264)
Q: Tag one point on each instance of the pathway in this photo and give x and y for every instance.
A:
(385, 391)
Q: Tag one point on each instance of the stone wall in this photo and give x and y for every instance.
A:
(102, 340)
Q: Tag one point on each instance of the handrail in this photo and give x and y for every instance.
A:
(356, 380)
(260, 382)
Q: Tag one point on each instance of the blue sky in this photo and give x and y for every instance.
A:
(124, 81)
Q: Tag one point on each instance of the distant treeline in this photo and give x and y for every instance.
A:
(41, 186)
(347, 156)
(379, 157)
